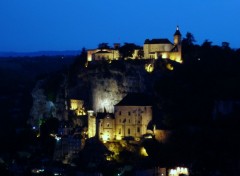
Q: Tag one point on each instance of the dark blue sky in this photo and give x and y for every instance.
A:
(33, 25)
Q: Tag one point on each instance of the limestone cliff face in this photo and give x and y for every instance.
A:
(100, 86)
(109, 84)
(43, 107)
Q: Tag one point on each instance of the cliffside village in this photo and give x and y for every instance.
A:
(132, 116)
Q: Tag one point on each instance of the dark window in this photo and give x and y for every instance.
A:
(129, 113)
(107, 124)
(129, 131)
(138, 129)
(120, 113)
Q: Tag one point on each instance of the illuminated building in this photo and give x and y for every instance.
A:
(163, 48)
(130, 119)
(178, 171)
(77, 107)
(132, 116)
(153, 49)
(91, 124)
(104, 54)
(106, 126)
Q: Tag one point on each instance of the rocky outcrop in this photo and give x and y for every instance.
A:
(108, 85)
(41, 108)
(100, 86)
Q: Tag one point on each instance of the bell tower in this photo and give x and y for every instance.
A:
(177, 37)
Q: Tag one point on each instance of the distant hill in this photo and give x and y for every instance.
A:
(40, 53)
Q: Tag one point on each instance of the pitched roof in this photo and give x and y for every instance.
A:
(177, 32)
(157, 41)
(135, 99)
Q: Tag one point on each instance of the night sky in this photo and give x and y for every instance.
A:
(33, 25)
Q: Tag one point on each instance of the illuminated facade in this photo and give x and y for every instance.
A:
(178, 171)
(153, 49)
(130, 119)
(91, 124)
(77, 107)
(106, 127)
(163, 48)
(103, 54)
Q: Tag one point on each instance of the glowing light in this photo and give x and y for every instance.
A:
(105, 137)
(143, 152)
(149, 68)
(178, 170)
(58, 138)
(119, 138)
(169, 67)
(37, 171)
(173, 172)
(164, 55)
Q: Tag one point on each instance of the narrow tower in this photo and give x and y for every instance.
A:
(177, 37)
(91, 124)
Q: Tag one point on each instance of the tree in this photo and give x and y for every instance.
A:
(127, 50)
(189, 40)
(189, 49)
(140, 53)
(207, 44)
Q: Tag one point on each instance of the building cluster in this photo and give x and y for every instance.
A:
(152, 49)
(130, 119)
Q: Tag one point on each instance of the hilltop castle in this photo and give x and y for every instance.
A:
(153, 49)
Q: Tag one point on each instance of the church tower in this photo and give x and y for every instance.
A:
(177, 37)
(91, 124)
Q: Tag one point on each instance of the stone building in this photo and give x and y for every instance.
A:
(153, 49)
(106, 124)
(132, 116)
(104, 53)
(130, 119)
(77, 106)
(163, 48)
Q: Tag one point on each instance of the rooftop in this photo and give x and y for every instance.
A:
(135, 99)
